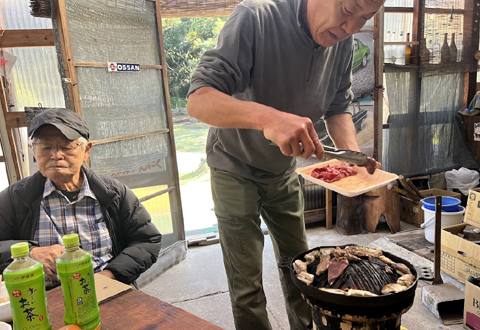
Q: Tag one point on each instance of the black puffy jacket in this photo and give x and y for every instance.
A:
(136, 241)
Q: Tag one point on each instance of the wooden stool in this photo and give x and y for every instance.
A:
(380, 202)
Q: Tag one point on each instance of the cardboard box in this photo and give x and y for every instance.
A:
(460, 258)
(107, 288)
(471, 311)
(472, 213)
(411, 211)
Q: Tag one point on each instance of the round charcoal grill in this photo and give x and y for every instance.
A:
(333, 311)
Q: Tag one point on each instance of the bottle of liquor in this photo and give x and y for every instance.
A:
(25, 283)
(408, 51)
(453, 49)
(445, 51)
(425, 53)
(460, 47)
(436, 50)
(75, 268)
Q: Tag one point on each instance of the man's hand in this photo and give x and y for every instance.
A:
(47, 255)
(107, 273)
(294, 135)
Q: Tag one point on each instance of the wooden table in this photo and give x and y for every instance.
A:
(133, 310)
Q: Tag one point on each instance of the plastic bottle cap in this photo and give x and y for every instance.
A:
(70, 240)
(20, 250)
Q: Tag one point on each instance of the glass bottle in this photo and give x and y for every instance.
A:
(25, 283)
(460, 47)
(453, 49)
(430, 50)
(393, 49)
(400, 50)
(445, 50)
(75, 268)
(387, 57)
(436, 50)
(408, 51)
(425, 53)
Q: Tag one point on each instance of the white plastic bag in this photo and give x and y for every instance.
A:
(462, 179)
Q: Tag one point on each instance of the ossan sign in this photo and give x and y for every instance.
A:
(122, 67)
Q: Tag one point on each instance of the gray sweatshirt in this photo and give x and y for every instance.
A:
(265, 55)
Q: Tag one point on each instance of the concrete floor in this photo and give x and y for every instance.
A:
(198, 284)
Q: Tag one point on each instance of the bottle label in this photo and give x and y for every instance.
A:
(28, 300)
(78, 286)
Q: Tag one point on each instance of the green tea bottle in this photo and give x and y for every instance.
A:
(25, 283)
(75, 269)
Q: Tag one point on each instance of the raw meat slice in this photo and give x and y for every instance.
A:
(332, 173)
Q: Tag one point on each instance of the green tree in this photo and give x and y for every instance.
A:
(186, 39)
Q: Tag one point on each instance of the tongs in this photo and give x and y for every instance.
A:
(349, 156)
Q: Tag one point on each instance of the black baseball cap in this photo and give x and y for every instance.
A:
(68, 122)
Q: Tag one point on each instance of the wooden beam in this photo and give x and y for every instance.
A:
(416, 22)
(158, 193)
(8, 140)
(328, 208)
(445, 11)
(128, 137)
(398, 10)
(175, 198)
(104, 65)
(15, 119)
(378, 88)
(67, 55)
(412, 43)
(27, 38)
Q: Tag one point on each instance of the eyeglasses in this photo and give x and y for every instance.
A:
(45, 149)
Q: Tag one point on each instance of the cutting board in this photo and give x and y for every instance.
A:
(353, 185)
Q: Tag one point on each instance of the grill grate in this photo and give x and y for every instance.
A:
(367, 274)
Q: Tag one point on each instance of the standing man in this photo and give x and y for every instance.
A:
(279, 66)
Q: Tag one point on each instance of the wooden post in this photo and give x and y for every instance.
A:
(378, 90)
(350, 215)
(328, 209)
(67, 55)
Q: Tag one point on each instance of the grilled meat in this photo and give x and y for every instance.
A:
(336, 268)
(401, 268)
(361, 251)
(305, 277)
(338, 252)
(386, 260)
(393, 288)
(315, 254)
(323, 265)
(299, 266)
(406, 280)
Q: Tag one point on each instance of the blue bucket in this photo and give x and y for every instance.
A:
(449, 204)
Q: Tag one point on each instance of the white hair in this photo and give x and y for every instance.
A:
(82, 142)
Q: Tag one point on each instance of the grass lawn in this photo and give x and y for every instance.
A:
(190, 137)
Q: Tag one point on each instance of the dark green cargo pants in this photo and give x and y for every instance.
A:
(239, 202)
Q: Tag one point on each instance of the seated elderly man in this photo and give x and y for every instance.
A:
(65, 196)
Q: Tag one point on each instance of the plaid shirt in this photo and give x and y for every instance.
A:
(59, 216)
